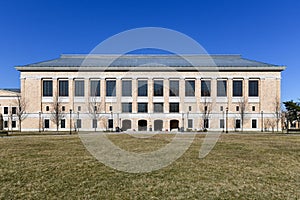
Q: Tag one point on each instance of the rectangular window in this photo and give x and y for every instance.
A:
(174, 88)
(14, 110)
(237, 88)
(158, 107)
(13, 124)
(63, 88)
(221, 123)
(254, 123)
(174, 107)
(95, 123)
(206, 123)
(47, 123)
(190, 88)
(237, 123)
(253, 108)
(110, 88)
(63, 123)
(205, 88)
(47, 88)
(158, 88)
(110, 123)
(110, 108)
(95, 88)
(190, 108)
(142, 88)
(126, 88)
(126, 107)
(79, 108)
(221, 88)
(237, 108)
(142, 107)
(190, 123)
(221, 108)
(5, 125)
(78, 123)
(79, 88)
(253, 88)
(5, 111)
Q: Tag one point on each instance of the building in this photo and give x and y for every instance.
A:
(8, 109)
(150, 92)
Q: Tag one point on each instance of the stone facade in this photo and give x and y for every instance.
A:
(186, 112)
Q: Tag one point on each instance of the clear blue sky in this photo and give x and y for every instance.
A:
(264, 30)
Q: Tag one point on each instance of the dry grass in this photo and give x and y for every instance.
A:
(241, 166)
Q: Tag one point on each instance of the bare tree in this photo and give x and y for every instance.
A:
(242, 108)
(94, 109)
(20, 110)
(56, 113)
(206, 110)
(277, 113)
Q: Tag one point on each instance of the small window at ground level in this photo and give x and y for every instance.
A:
(47, 123)
(190, 123)
(237, 123)
(254, 123)
(13, 124)
(110, 123)
(78, 123)
(94, 123)
(63, 123)
(5, 124)
(206, 123)
(221, 123)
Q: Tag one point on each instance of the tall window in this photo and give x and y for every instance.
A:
(158, 107)
(6, 110)
(221, 88)
(126, 88)
(13, 124)
(62, 123)
(190, 88)
(94, 123)
(237, 88)
(190, 123)
(158, 88)
(174, 88)
(237, 123)
(206, 123)
(221, 123)
(110, 123)
(142, 88)
(78, 123)
(79, 88)
(205, 88)
(95, 88)
(174, 107)
(253, 88)
(142, 107)
(110, 88)
(127, 107)
(47, 88)
(14, 110)
(46, 123)
(63, 88)
(254, 123)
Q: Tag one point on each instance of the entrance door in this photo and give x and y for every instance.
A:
(174, 124)
(158, 125)
(142, 125)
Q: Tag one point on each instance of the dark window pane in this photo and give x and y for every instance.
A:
(158, 107)
(238, 123)
(111, 88)
(5, 124)
(221, 88)
(127, 107)
(237, 88)
(189, 88)
(63, 88)
(205, 88)
(6, 110)
(47, 123)
(174, 107)
(143, 107)
(47, 88)
(63, 123)
(158, 88)
(174, 88)
(190, 123)
(95, 88)
(253, 88)
(79, 88)
(14, 110)
(221, 123)
(78, 123)
(254, 123)
(126, 88)
(206, 123)
(95, 123)
(142, 88)
(13, 124)
(110, 123)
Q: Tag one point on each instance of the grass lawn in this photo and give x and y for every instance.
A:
(241, 166)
